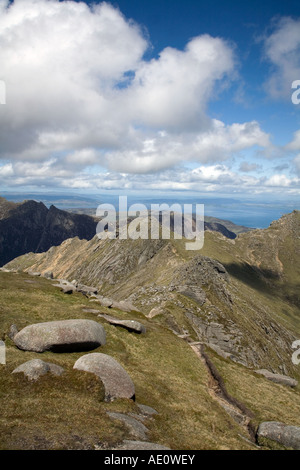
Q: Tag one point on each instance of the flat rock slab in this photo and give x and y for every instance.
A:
(136, 428)
(116, 381)
(278, 378)
(91, 310)
(61, 336)
(86, 290)
(288, 436)
(123, 305)
(147, 410)
(35, 368)
(130, 325)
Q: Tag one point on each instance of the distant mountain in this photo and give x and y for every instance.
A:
(226, 227)
(31, 227)
(237, 229)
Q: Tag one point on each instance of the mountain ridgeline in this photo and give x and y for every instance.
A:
(31, 227)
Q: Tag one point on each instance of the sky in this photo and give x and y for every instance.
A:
(160, 96)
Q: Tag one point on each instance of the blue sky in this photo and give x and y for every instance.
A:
(158, 97)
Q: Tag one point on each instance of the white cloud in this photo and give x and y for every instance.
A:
(282, 49)
(80, 94)
(60, 62)
(171, 92)
(281, 181)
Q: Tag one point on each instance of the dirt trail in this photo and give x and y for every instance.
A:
(217, 389)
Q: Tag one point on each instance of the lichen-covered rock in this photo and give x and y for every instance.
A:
(61, 336)
(114, 377)
(136, 428)
(283, 434)
(35, 368)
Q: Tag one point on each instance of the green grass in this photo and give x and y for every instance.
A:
(67, 412)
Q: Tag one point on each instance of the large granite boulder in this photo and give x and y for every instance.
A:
(283, 434)
(116, 381)
(35, 368)
(61, 336)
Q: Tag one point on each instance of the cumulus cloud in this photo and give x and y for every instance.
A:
(81, 95)
(61, 62)
(282, 49)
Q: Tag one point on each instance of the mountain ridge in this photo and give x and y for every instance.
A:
(228, 295)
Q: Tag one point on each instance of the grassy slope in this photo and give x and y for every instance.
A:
(67, 412)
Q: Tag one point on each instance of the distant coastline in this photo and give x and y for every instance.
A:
(250, 213)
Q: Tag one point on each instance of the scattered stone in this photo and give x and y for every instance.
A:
(68, 290)
(116, 381)
(155, 311)
(36, 368)
(147, 410)
(86, 290)
(123, 305)
(33, 273)
(278, 378)
(103, 301)
(48, 275)
(287, 436)
(61, 336)
(13, 330)
(65, 286)
(136, 428)
(130, 325)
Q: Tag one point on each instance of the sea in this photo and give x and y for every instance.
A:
(249, 212)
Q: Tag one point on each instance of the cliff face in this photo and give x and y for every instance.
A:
(32, 227)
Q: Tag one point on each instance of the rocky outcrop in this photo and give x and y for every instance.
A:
(278, 378)
(65, 286)
(61, 336)
(35, 368)
(287, 436)
(123, 305)
(116, 381)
